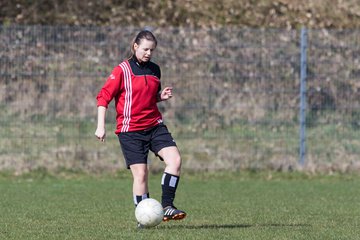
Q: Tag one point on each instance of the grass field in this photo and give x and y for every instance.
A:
(220, 206)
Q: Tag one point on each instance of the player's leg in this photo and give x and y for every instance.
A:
(140, 182)
(170, 181)
(164, 146)
(135, 148)
(171, 175)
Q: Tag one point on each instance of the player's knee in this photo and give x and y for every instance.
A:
(175, 163)
(140, 176)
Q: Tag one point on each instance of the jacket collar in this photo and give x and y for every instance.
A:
(138, 63)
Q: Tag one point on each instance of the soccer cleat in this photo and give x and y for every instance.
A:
(172, 213)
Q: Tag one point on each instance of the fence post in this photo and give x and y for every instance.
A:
(302, 110)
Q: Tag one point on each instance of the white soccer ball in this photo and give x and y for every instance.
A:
(149, 212)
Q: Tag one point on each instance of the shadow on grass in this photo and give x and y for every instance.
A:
(229, 226)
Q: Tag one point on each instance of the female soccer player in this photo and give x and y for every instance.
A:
(135, 86)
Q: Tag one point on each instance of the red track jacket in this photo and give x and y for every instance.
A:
(135, 88)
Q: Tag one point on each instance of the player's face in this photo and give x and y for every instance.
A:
(144, 50)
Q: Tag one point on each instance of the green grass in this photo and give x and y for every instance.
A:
(219, 206)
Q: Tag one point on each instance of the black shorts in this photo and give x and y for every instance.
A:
(136, 145)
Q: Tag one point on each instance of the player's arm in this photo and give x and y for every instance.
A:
(100, 132)
(106, 94)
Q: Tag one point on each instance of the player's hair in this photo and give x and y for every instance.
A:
(144, 34)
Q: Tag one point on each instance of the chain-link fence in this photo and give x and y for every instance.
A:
(236, 97)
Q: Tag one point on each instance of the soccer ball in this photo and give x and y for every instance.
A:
(149, 212)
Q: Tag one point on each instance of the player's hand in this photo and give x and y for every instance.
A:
(166, 93)
(100, 134)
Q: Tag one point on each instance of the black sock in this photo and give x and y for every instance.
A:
(169, 185)
(139, 198)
